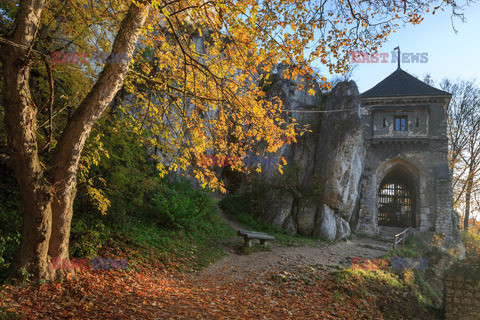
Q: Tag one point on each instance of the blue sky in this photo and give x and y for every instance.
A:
(450, 54)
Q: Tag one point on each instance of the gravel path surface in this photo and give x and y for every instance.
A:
(325, 255)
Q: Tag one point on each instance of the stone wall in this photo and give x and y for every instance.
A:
(419, 161)
(462, 293)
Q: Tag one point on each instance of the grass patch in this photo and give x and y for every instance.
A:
(154, 238)
(423, 283)
(243, 207)
(390, 293)
(368, 273)
(183, 250)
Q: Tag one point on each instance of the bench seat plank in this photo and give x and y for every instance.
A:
(248, 236)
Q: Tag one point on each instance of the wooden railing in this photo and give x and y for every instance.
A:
(400, 238)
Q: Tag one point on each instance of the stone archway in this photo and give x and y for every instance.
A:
(397, 194)
(396, 203)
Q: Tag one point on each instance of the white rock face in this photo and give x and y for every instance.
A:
(289, 225)
(341, 150)
(343, 228)
(320, 187)
(326, 224)
(306, 214)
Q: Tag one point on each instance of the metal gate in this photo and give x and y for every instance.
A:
(396, 205)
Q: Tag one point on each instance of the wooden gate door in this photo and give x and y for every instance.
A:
(396, 204)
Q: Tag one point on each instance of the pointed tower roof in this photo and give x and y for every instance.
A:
(401, 83)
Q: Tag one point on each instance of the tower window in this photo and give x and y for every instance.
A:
(416, 123)
(400, 123)
(384, 122)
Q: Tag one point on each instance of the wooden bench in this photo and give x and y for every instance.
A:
(248, 236)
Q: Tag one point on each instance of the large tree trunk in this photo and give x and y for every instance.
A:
(21, 127)
(69, 148)
(47, 205)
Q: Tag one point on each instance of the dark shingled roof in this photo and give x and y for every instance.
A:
(400, 83)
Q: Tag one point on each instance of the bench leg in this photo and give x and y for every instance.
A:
(248, 242)
(262, 241)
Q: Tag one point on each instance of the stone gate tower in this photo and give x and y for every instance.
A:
(406, 178)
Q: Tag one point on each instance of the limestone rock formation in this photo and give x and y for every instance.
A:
(340, 151)
(326, 225)
(289, 225)
(343, 228)
(319, 189)
(306, 214)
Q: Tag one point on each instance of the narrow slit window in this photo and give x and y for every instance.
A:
(400, 123)
(416, 123)
(384, 122)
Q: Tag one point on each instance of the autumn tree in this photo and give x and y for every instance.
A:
(464, 142)
(195, 95)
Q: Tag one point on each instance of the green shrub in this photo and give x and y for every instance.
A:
(10, 218)
(86, 240)
(9, 244)
(243, 207)
(149, 218)
(155, 220)
(179, 205)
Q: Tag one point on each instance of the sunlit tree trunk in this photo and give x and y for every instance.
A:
(69, 148)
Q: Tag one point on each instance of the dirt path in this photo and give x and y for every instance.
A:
(327, 256)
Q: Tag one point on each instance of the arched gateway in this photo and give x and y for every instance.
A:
(405, 180)
(396, 200)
